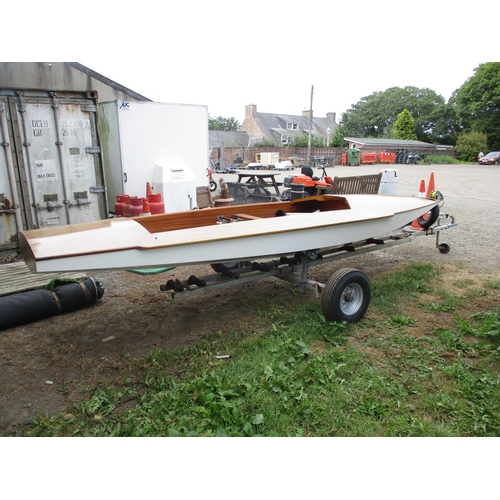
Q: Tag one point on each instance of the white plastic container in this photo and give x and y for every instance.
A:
(388, 182)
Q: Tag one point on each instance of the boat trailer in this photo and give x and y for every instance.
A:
(345, 296)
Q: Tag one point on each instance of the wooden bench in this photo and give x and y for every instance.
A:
(361, 184)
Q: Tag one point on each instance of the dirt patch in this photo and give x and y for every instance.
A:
(51, 364)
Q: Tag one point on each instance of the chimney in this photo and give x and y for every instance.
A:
(307, 113)
(332, 116)
(250, 110)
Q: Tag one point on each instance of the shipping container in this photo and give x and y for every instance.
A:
(160, 143)
(51, 170)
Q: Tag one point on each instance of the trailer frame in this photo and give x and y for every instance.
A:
(295, 269)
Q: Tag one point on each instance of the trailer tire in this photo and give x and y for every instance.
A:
(213, 185)
(433, 216)
(444, 248)
(346, 296)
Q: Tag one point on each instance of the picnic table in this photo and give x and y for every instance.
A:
(266, 180)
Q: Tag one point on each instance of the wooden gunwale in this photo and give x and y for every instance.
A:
(209, 216)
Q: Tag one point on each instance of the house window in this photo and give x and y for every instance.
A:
(285, 139)
(292, 126)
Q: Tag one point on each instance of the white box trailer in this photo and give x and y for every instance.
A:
(161, 143)
(50, 165)
(269, 160)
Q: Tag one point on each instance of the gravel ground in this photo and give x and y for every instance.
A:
(50, 364)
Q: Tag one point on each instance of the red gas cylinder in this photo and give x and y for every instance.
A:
(126, 205)
(135, 206)
(146, 210)
(119, 206)
(157, 206)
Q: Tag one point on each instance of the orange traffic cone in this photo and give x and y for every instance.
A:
(148, 190)
(421, 191)
(431, 187)
(421, 194)
(146, 210)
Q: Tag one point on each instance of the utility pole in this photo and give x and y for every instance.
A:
(310, 127)
(222, 161)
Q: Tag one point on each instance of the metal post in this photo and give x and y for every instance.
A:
(310, 127)
(222, 161)
(10, 169)
(29, 162)
(59, 144)
(305, 272)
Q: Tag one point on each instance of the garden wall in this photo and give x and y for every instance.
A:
(299, 155)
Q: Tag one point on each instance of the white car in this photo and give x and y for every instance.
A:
(284, 165)
(254, 166)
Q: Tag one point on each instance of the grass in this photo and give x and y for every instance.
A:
(423, 362)
(442, 160)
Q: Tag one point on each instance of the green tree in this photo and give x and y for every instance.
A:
(470, 144)
(264, 143)
(376, 114)
(477, 103)
(302, 141)
(404, 126)
(337, 140)
(221, 123)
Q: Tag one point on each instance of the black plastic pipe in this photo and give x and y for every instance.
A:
(25, 307)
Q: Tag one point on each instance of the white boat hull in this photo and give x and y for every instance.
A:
(126, 244)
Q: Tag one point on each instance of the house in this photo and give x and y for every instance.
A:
(281, 128)
(229, 138)
(219, 139)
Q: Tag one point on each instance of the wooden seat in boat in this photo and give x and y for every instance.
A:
(246, 216)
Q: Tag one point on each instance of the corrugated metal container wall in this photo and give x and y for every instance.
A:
(52, 155)
(10, 212)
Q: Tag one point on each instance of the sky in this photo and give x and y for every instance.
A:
(227, 54)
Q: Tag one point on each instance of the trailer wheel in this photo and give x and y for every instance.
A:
(426, 223)
(346, 296)
(312, 254)
(213, 185)
(444, 248)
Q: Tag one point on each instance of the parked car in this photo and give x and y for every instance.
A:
(284, 165)
(490, 158)
(254, 166)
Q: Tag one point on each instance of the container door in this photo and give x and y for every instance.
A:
(10, 212)
(58, 158)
